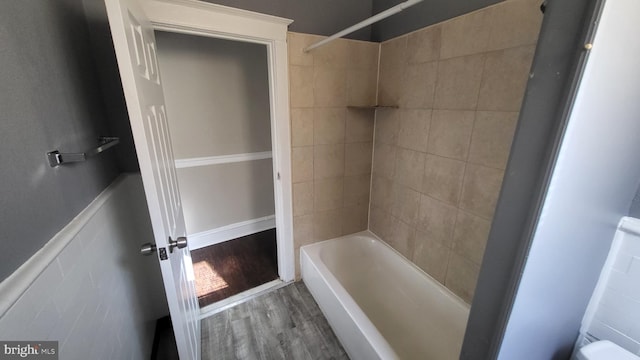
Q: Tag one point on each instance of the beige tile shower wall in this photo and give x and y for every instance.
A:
(439, 159)
(331, 145)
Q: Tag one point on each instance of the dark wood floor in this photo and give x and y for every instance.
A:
(234, 266)
(283, 324)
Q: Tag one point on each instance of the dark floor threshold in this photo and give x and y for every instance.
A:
(164, 342)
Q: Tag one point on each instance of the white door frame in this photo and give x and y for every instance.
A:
(212, 20)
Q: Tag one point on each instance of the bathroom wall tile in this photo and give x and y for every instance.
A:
(392, 66)
(384, 160)
(332, 146)
(361, 86)
(363, 54)
(480, 190)
(296, 43)
(358, 158)
(465, 35)
(418, 85)
(401, 237)
(387, 126)
(329, 125)
(414, 129)
(303, 230)
(303, 198)
(380, 222)
(302, 127)
(301, 86)
(359, 126)
(424, 45)
(355, 219)
(327, 224)
(492, 137)
(450, 133)
(393, 53)
(431, 256)
(302, 164)
(390, 85)
(328, 194)
(613, 311)
(329, 86)
(462, 276)
(334, 54)
(459, 83)
(405, 204)
(443, 178)
(514, 23)
(409, 168)
(328, 161)
(504, 79)
(604, 331)
(382, 193)
(470, 236)
(436, 219)
(356, 190)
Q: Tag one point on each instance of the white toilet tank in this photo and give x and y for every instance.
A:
(604, 350)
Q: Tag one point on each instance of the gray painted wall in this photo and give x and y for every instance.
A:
(324, 17)
(423, 14)
(314, 17)
(104, 57)
(590, 190)
(50, 100)
(532, 155)
(330, 16)
(634, 211)
(58, 59)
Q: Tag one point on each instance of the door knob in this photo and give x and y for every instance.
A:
(179, 243)
(147, 249)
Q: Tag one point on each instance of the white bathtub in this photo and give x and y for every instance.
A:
(379, 304)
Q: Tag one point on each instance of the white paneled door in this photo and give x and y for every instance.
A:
(135, 46)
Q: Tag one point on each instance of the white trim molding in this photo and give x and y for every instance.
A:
(231, 231)
(89, 269)
(630, 225)
(19, 281)
(222, 159)
(200, 17)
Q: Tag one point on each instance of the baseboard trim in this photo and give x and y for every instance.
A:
(232, 231)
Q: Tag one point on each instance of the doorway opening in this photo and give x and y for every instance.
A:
(218, 108)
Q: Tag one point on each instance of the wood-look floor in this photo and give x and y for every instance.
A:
(234, 266)
(283, 324)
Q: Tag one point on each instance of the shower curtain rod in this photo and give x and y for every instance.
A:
(383, 15)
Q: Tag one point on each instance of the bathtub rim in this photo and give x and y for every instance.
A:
(370, 332)
(367, 233)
